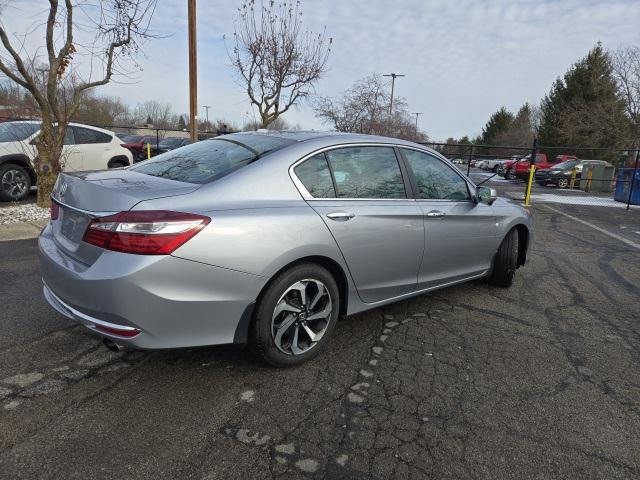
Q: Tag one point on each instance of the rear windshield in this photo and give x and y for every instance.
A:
(568, 165)
(170, 142)
(131, 138)
(209, 160)
(17, 131)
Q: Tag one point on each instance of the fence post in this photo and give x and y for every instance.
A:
(469, 160)
(157, 138)
(633, 179)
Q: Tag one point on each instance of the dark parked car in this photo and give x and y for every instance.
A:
(171, 143)
(560, 174)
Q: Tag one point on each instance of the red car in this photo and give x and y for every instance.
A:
(138, 145)
(520, 168)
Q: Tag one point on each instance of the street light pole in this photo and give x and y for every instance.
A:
(206, 108)
(416, 114)
(193, 71)
(393, 83)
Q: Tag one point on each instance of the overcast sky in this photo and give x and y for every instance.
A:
(463, 59)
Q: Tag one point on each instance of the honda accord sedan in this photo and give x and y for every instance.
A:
(267, 238)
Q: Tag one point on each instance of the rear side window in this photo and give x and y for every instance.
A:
(435, 179)
(209, 160)
(315, 175)
(366, 172)
(86, 136)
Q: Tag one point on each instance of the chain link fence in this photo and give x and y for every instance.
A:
(589, 176)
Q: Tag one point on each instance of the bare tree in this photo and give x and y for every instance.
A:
(277, 61)
(160, 114)
(626, 70)
(59, 79)
(364, 108)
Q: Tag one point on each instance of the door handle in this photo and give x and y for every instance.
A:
(341, 216)
(435, 214)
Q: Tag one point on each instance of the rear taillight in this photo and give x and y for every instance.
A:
(146, 232)
(54, 210)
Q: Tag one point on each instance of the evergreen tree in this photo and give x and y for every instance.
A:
(181, 123)
(584, 108)
(498, 123)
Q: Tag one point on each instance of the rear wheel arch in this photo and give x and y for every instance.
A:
(334, 268)
(118, 161)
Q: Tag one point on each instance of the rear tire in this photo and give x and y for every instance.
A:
(15, 182)
(285, 321)
(505, 262)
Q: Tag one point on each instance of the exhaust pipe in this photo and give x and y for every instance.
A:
(111, 345)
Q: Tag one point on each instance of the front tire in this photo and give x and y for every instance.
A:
(563, 183)
(15, 182)
(505, 262)
(296, 315)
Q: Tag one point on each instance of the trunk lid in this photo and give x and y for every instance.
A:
(82, 196)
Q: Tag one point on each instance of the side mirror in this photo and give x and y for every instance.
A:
(486, 195)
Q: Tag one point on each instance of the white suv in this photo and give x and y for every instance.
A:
(85, 148)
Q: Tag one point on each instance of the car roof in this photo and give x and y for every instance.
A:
(331, 137)
(72, 124)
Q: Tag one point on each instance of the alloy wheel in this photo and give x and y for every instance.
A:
(14, 183)
(563, 183)
(301, 316)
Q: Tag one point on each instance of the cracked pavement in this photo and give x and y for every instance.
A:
(538, 381)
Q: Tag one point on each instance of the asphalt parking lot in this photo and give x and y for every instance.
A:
(538, 381)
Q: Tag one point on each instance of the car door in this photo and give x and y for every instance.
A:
(361, 194)
(459, 232)
(72, 160)
(95, 147)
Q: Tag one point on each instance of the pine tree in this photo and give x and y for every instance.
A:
(181, 123)
(584, 109)
(498, 123)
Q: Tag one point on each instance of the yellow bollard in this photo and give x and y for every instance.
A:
(527, 197)
(572, 183)
(148, 151)
(587, 187)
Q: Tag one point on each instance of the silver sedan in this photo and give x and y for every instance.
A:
(267, 239)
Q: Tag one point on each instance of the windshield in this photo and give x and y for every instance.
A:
(566, 165)
(171, 142)
(209, 160)
(17, 131)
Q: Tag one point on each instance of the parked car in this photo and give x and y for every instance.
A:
(520, 168)
(268, 238)
(560, 174)
(137, 144)
(171, 143)
(493, 164)
(85, 148)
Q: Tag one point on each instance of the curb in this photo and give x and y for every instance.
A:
(21, 230)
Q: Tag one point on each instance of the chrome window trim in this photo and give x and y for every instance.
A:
(307, 196)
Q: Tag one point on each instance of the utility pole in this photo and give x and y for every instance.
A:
(206, 108)
(393, 83)
(417, 114)
(193, 72)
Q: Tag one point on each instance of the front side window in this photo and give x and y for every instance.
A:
(17, 131)
(366, 172)
(435, 179)
(209, 160)
(315, 175)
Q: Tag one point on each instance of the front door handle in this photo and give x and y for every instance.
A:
(435, 214)
(341, 216)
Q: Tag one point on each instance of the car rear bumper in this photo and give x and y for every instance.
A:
(172, 301)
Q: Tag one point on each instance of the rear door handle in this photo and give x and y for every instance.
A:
(435, 214)
(341, 216)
